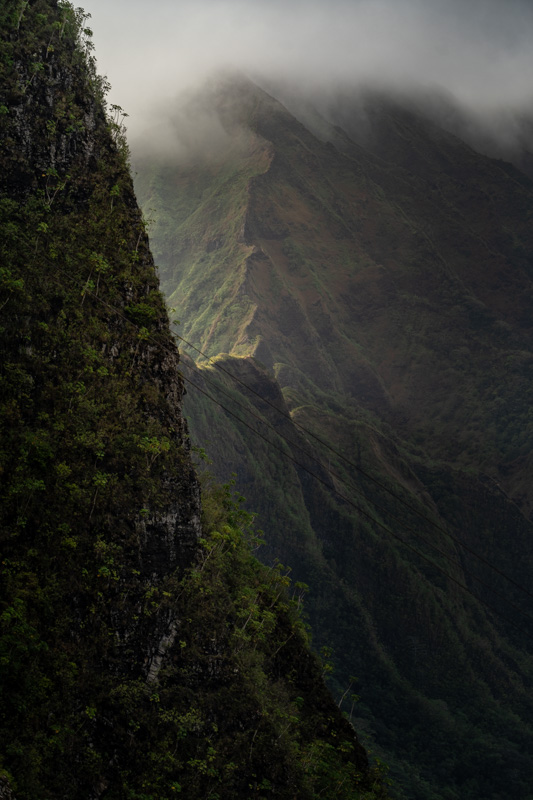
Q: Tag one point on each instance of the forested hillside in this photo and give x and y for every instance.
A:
(358, 301)
(144, 653)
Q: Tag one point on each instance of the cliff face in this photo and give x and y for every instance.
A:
(143, 652)
(74, 304)
(100, 503)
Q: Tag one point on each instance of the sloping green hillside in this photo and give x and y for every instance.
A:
(144, 653)
(383, 303)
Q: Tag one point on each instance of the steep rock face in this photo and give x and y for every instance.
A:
(59, 181)
(372, 296)
(100, 503)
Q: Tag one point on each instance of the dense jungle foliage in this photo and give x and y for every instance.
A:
(144, 652)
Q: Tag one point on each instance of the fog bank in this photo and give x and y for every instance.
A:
(480, 51)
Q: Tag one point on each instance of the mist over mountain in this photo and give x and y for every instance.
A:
(358, 283)
(352, 277)
(478, 52)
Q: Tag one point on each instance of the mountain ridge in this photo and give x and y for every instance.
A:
(373, 302)
(389, 280)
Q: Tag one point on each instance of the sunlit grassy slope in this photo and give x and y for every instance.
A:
(381, 297)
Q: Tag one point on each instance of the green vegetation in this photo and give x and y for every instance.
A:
(235, 710)
(218, 200)
(379, 299)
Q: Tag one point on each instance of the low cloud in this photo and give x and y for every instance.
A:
(480, 51)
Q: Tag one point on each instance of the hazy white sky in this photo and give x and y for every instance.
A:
(480, 50)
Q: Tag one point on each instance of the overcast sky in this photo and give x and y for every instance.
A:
(480, 50)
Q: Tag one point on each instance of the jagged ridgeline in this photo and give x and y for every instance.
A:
(144, 652)
(362, 284)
